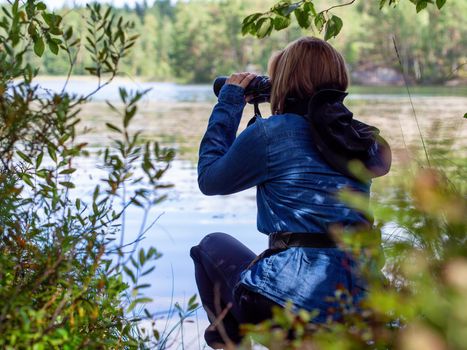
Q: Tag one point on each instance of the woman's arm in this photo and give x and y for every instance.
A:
(228, 164)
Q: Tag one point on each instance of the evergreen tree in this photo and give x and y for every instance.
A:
(196, 40)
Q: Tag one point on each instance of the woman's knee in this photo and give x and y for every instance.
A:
(212, 240)
(194, 252)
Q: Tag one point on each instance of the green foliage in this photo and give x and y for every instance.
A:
(262, 24)
(65, 281)
(106, 46)
(279, 17)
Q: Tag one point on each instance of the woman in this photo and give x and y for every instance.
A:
(299, 158)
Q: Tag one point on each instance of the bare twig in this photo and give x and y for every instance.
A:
(340, 5)
(411, 102)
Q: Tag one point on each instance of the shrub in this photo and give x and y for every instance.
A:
(66, 280)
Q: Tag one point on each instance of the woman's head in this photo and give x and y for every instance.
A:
(303, 66)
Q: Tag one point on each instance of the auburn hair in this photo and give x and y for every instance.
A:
(304, 66)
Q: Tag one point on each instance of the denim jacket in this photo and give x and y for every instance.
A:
(296, 192)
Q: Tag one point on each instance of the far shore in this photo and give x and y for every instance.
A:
(142, 79)
(428, 90)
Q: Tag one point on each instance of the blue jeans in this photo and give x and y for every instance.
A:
(219, 259)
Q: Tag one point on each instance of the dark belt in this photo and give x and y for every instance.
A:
(278, 242)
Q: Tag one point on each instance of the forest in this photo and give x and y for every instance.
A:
(193, 41)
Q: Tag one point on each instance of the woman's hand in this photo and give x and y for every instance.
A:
(241, 79)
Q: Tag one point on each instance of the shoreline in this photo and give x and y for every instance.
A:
(80, 82)
(142, 79)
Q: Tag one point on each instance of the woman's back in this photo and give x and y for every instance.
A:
(299, 194)
(300, 191)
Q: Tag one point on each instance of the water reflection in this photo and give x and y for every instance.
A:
(162, 92)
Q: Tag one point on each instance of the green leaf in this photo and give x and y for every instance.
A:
(24, 157)
(309, 7)
(55, 31)
(39, 160)
(43, 173)
(147, 272)
(192, 304)
(320, 21)
(52, 153)
(333, 27)
(303, 18)
(113, 127)
(27, 179)
(338, 24)
(32, 31)
(39, 46)
(134, 263)
(123, 94)
(53, 47)
(138, 301)
(281, 22)
(129, 114)
(251, 18)
(264, 27)
(14, 8)
(67, 171)
(68, 34)
(48, 18)
(67, 184)
(130, 274)
(192, 300)
(142, 257)
(421, 5)
(248, 28)
(440, 3)
(131, 307)
(96, 192)
(143, 300)
(41, 6)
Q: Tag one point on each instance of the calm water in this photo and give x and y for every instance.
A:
(177, 116)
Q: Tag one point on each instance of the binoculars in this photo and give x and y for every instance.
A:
(259, 88)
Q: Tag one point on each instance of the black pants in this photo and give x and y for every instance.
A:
(219, 259)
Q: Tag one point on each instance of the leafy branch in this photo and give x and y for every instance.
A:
(279, 17)
(108, 42)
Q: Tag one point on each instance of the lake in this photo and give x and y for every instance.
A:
(177, 115)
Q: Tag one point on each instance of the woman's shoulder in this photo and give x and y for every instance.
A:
(284, 123)
(285, 118)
